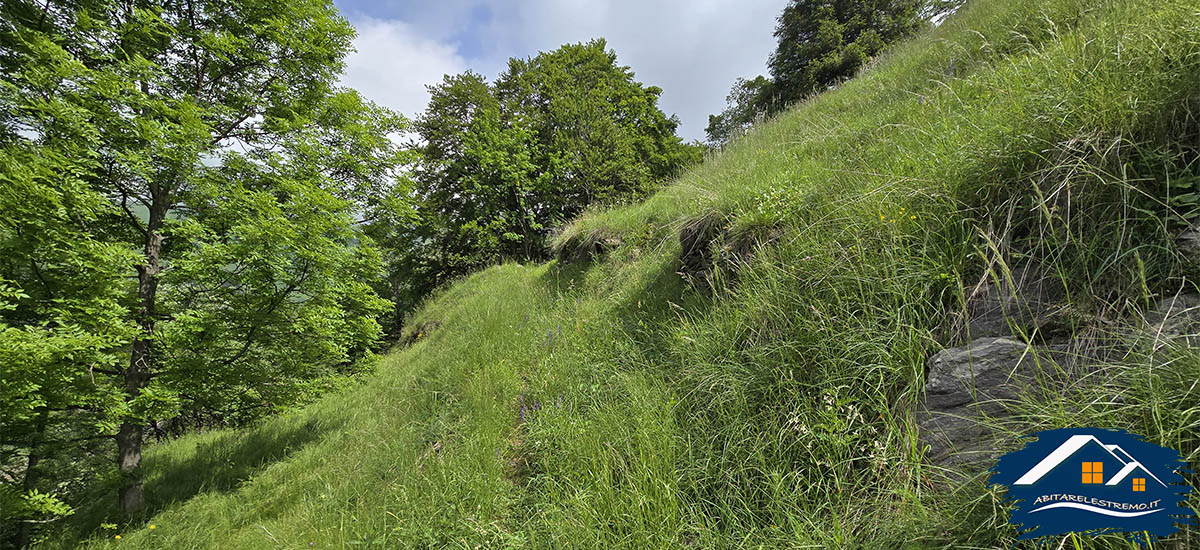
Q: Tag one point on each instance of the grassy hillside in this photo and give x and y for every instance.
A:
(610, 403)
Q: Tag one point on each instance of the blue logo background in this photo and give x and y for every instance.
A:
(1094, 480)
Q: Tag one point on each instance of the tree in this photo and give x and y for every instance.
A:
(199, 177)
(747, 102)
(824, 41)
(501, 163)
(820, 42)
(60, 292)
(601, 136)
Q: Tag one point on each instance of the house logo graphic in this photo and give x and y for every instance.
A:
(1096, 481)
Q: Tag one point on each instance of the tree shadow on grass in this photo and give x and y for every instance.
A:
(219, 461)
(644, 312)
(565, 277)
(224, 461)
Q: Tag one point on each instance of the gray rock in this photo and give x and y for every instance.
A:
(1188, 243)
(1175, 319)
(696, 255)
(969, 384)
(1030, 301)
(958, 376)
(970, 390)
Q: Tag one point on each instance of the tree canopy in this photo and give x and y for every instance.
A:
(819, 43)
(747, 101)
(181, 185)
(823, 41)
(501, 163)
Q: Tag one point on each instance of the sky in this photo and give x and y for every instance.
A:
(693, 49)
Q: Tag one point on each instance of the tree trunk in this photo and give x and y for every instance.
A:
(25, 531)
(129, 437)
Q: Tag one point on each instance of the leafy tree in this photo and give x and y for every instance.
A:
(501, 163)
(428, 242)
(601, 136)
(820, 42)
(180, 189)
(747, 101)
(824, 41)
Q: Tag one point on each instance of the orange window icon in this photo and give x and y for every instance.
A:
(1093, 472)
(1139, 484)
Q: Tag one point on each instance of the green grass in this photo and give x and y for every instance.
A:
(775, 411)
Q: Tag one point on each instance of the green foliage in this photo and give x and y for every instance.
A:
(824, 41)
(277, 288)
(608, 405)
(500, 164)
(820, 43)
(61, 313)
(748, 102)
(16, 506)
(180, 191)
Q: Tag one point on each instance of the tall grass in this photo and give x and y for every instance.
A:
(609, 404)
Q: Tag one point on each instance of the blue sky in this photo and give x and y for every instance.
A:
(693, 50)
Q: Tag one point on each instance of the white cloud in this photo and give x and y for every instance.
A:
(394, 63)
(692, 50)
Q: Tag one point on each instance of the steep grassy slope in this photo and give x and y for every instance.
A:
(611, 404)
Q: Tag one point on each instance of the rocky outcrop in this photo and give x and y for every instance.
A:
(1024, 302)
(1188, 244)
(969, 390)
(1175, 319)
(711, 249)
(697, 250)
(584, 246)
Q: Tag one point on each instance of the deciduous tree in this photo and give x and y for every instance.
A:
(823, 41)
(501, 163)
(182, 181)
(820, 42)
